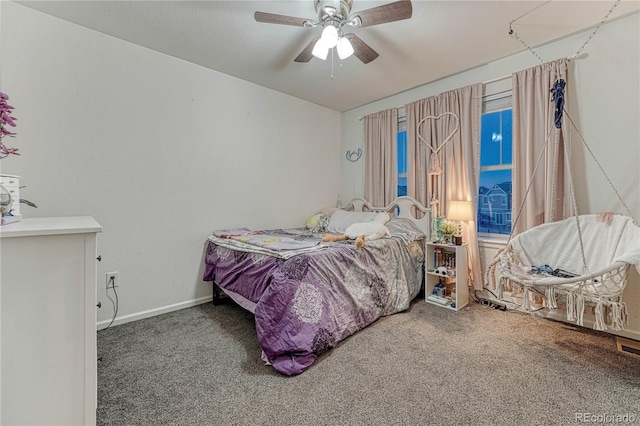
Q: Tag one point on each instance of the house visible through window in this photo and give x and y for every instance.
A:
(494, 193)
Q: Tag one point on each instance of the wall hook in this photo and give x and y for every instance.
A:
(354, 156)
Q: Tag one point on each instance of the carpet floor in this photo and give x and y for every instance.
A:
(425, 366)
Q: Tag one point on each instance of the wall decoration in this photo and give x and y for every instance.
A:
(354, 156)
(436, 148)
(435, 167)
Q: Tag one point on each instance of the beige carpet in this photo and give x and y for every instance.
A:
(426, 366)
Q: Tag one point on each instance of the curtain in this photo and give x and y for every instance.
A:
(381, 157)
(458, 159)
(539, 172)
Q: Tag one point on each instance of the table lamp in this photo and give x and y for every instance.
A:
(460, 211)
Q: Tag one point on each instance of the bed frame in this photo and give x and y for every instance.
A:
(404, 206)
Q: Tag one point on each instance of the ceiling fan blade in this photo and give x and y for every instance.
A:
(307, 52)
(395, 11)
(272, 18)
(361, 49)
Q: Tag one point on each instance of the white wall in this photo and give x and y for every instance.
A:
(160, 151)
(605, 105)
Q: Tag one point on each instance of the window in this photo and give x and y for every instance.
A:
(402, 153)
(494, 193)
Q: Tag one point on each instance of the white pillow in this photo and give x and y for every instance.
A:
(342, 219)
(371, 230)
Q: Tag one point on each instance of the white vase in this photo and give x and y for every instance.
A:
(6, 201)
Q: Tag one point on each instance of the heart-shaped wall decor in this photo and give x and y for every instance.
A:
(437, 148)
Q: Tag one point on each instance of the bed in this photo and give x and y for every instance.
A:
(307, 295)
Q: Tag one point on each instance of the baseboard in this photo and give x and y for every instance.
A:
(153, 312)
(560, 315)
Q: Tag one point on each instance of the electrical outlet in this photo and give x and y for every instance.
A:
(112, 280)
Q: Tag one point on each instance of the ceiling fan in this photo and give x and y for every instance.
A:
(333, 16)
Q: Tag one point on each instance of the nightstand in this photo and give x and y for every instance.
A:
(446, 275)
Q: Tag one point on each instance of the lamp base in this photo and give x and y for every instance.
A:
(457, 240)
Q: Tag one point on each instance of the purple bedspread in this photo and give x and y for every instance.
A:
(306, 304)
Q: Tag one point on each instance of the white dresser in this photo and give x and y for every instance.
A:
(48, 348)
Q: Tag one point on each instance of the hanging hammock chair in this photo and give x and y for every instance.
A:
(579, 261)
(546, 260)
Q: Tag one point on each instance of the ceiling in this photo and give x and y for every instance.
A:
(442, 38)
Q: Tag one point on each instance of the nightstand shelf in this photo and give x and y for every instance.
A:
(453, 288)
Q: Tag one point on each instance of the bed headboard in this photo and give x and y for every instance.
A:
(404, 206)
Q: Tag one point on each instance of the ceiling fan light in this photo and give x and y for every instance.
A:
(330, 36)
(344, 48)
(320, 50)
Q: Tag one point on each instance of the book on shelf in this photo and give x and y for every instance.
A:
(443, 258)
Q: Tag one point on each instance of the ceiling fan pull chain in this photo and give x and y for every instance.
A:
(331, 64)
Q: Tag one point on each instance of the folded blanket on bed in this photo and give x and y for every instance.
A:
(275, 243)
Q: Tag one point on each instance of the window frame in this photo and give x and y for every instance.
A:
(494, 102)
(402, 127)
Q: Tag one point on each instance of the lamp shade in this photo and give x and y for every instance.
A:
(330, 36)
(460, 210)
(320, 50)
(344, 48)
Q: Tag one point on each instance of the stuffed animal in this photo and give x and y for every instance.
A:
(442, 271)
(361, 232)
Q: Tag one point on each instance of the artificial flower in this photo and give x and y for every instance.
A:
(6, 119)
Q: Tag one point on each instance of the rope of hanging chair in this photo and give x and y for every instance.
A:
(554, 174)
(586, 145)
(542, 152)
(526, 193)
(515, 35)
(567, 155)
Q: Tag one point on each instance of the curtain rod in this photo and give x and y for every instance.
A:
(361, 118)
(495, 80)
(504, 77)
